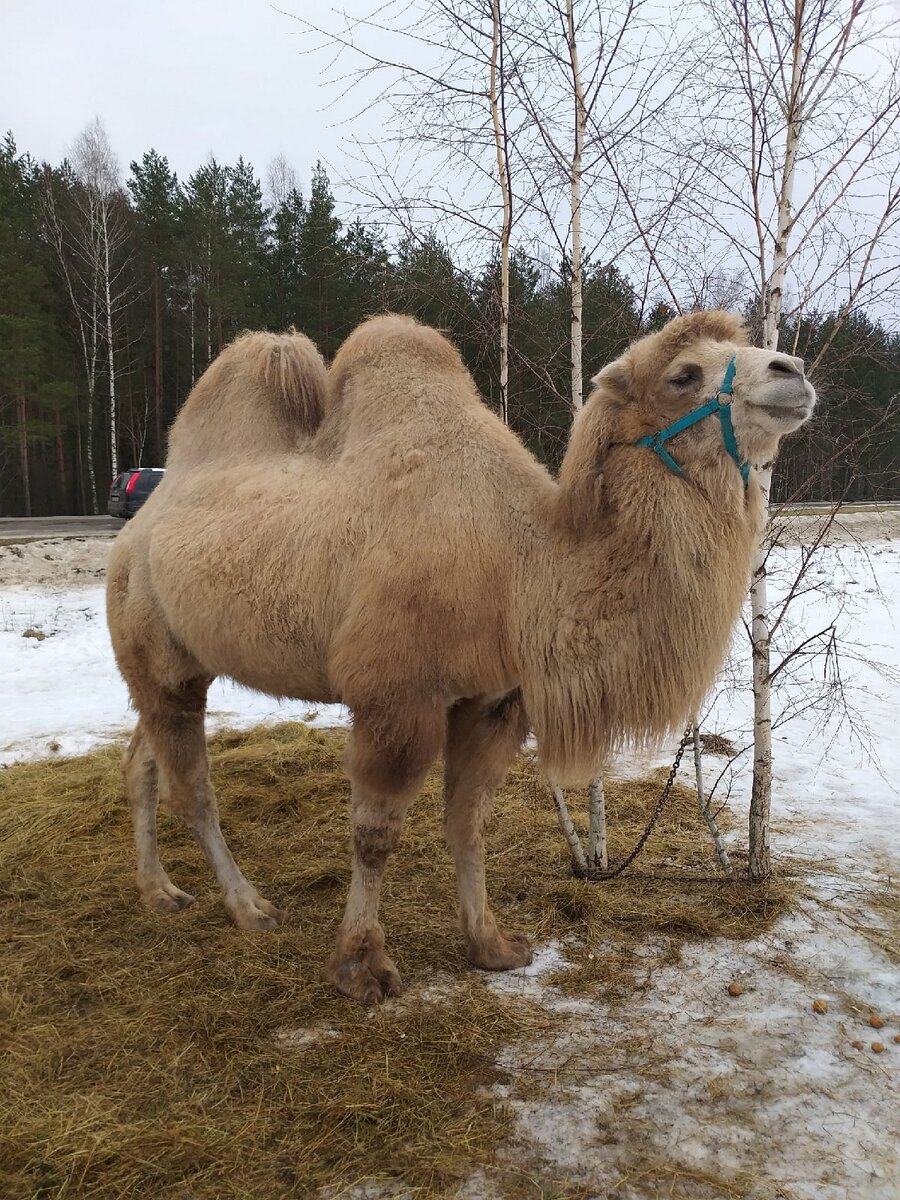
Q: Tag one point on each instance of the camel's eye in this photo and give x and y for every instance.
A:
(686, 376)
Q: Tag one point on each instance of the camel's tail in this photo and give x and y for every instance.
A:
(262, 395)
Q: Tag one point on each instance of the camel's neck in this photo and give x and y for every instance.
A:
(627, 618)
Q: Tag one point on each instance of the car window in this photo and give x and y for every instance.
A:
(148, 481)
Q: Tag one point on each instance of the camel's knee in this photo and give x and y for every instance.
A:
(172, 719)
(373, 844)
(464, 823)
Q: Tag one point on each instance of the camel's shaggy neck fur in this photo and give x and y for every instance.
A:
(647, 584)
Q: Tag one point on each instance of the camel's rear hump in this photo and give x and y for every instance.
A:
(262, 395)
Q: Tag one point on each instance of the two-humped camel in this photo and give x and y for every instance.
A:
(376, 536)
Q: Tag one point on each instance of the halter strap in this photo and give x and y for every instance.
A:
(656, 441)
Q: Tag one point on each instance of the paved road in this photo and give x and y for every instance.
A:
(20, 528)
(23, 528)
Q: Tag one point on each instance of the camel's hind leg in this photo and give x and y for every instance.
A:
(142, 784)
(482, 742)
(173, 722)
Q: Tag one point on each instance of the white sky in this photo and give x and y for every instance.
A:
(187, 77)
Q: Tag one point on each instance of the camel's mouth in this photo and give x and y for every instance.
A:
(783, 412)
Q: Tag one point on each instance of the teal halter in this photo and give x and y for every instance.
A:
(656, 440)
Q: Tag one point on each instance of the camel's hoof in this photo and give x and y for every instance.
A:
(255, 914)
(501, 951)
(166, 897)
(368, 980)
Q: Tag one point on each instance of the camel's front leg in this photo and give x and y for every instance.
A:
(482, 742)
(386, 766)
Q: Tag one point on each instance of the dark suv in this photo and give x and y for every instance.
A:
(130, 489)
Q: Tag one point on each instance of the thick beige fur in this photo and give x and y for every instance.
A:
(377, 537)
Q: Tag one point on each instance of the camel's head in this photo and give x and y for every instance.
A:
(667, 375)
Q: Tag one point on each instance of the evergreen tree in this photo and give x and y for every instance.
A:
(21, 325)
(367, 276)
(285, 265)
(34, 406)
(209, 260)
(323, 257)
(243, 284)
(157, 199)
(203, 220)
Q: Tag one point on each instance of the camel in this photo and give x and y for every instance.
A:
(375, 536)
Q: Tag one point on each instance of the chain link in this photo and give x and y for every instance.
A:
(612, 872)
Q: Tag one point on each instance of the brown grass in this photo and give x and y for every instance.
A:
(146, 1056)
(885, 903)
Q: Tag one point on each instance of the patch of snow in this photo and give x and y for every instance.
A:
(684, 1080)
(70, 562)
(296, 1039)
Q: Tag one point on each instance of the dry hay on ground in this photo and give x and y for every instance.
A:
(175, 1056)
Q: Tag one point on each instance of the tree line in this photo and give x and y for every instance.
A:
(116, 294)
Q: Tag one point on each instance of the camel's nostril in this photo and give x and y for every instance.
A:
(784, 366)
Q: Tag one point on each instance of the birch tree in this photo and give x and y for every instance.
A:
(590, 90)
(78, 268)
(497, 98)
(569, 85)
(85, 225)
(807, 194)
(101, 242)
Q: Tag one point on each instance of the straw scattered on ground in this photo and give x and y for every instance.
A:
(175, 1056)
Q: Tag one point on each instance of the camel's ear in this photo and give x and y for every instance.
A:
(616, 377)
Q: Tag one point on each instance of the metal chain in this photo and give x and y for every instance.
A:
(612, 872)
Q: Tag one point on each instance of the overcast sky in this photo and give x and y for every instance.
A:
(187, 77)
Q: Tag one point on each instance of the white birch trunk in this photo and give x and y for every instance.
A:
(498, 116)
(597, 854)
(56, 236)
(92, 377)
(761, 794)
(597, 851)
(705, 811)
(575, 183)
(191, 292)
(107, 293)
(570, 833)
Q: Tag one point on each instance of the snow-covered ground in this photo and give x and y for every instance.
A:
(758, 1088)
